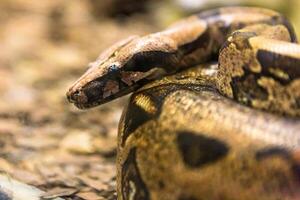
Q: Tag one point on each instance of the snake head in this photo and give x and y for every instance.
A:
(121, 69)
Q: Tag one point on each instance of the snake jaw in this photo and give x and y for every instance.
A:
(103, 90)
(106, 88)
(102, 98)
(92, 90)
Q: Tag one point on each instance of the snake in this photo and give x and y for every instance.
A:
(215, 107)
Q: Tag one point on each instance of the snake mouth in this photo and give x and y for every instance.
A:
(100, 100)
(108, 88)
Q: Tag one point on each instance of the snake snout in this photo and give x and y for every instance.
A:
(77, 97)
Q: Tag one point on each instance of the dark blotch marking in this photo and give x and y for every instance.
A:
(219, 29)
(198, 150)
(200, 42)
(217, 21)
(287, 64)
(130, 173)
(140, 62)
(136, 116)
(245, 88)
(217, 26)
(146, 60)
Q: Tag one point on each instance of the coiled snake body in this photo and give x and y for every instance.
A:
(226, 130)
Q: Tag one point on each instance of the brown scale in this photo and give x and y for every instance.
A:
(246, 78)
(191, 41)
(189, 136)
(201, 145)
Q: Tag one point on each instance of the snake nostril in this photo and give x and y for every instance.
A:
(77, 97)
(76, 94)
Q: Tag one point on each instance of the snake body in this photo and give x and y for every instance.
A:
(226, 130)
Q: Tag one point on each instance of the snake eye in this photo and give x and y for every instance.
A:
(113, 67)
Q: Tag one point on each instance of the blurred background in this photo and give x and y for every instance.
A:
(44, 47)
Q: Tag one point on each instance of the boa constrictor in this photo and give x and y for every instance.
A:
(228, 128)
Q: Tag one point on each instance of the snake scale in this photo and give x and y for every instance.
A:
(215, 109)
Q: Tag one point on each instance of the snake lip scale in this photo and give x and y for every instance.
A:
(215, 107)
